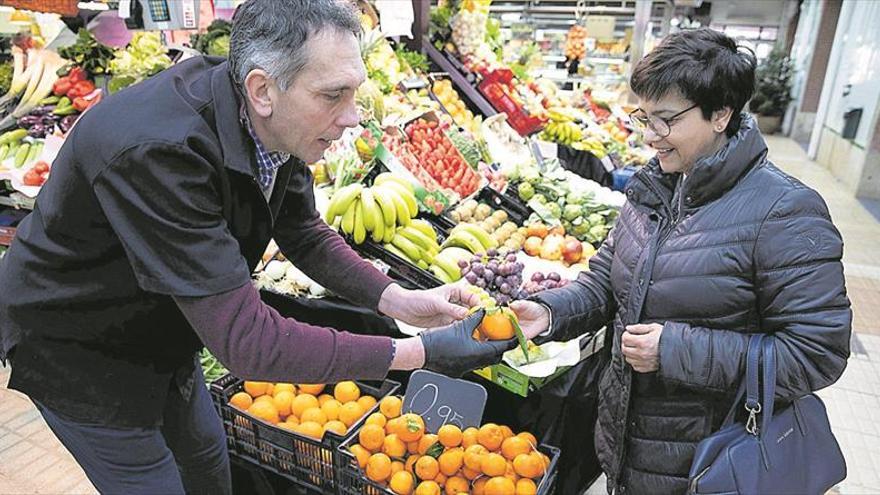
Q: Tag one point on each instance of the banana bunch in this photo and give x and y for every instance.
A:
(470, 237)
(562, 132)
(416, 243)
(446, 263)
(593, 145)
(376, 210)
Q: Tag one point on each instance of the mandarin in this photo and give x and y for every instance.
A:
(514, 446)
(283, 401)
(456, 485)
(490, 436)
(427, 468)
(313, 414)
(241, 400)
(402, 483)
(427, 441)
(264, 410)
(393, 446)
(449, 436)
(350, 412)
(330, 407)
(347, 391)
(361, 454)
(413, 427)
(371, 437)
(311, 388)
(301, 403)
(493, 464)
(499, 485)
(367, 402)
(390, 406)
(428, 488)
(336, 427)
(525, 486)
(379, 467)
(451, 461)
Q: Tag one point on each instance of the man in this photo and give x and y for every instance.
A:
(141, 245)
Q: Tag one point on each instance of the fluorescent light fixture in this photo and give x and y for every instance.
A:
(93, 6)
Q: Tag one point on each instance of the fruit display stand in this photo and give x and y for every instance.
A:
(306, 461)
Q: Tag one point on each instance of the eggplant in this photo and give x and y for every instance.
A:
(37, 131)
(43, 110)
(67, 122)
(29, 120)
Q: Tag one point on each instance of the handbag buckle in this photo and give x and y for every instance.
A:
(752, 422)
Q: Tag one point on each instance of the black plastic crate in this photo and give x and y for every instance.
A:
(305, 461)
(351, 479)
(509, 201)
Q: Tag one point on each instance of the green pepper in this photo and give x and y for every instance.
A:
(21, 154)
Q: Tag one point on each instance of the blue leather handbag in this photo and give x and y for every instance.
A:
(792, 451)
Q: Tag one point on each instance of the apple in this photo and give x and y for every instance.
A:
(537, 229)
(557, 230)
(572, 250)
(551, 249)
(532, 246)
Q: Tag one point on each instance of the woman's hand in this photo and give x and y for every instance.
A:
(640, 345)
(534, 318)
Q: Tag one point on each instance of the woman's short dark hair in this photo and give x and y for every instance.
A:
(702, 65)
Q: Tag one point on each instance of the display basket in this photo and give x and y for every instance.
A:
(307, 462)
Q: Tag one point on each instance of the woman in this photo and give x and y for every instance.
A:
(714, 243)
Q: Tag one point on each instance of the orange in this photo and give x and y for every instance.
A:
(292, 420)
(371, 437)
(367, 402)
(377, 419)
(378, 467)
(428, 488)
(402, 483)
(526, 486)
(270, 389)
(469, 437)
(533, 442)
(390, 406)
(330, 407)
(440, 479)
(397, 466)
(314, 414)
(256, 389)
(411, 463)
(473, 457)
(456, 485)
(393, 446)
(451, 461)
(336, 427)
(311, 429)
(497, 326)
(289, 426)
(510, 473)
(301, 403)
(529, 465)
(413, 447)
(393, 425)
(283, 401)
(241, 400)
(350, 412)
(449, 435)
(427, 441)
(470, 474)
(308, 388)
(265, 398)
(490, 436)
(499, 485)
(493, 464)
(283, 387)
(361, 454)
(413, 427)
(346, 391)
(264, 410)
(506, 431)
(480, 486)
(324, 398)
(514, 446)
(427, 468)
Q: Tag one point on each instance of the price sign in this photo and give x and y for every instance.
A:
(442, 400)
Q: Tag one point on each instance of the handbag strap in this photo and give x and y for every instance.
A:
(769, 365)
(748, 383)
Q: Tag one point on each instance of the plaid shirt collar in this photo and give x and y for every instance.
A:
(268, 162)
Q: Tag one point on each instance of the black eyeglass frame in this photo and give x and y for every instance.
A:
(641, 126)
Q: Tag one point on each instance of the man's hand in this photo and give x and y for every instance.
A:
(534, 318)
(428, 308)
(452, 350)
(641, 346)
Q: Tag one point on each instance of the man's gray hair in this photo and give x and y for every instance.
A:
(271, 35)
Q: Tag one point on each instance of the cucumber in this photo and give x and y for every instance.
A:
(4, 150)
(21, 154)
(34, 152)
(13, 136)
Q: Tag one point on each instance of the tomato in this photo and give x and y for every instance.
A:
(32, 178)
(41, 167)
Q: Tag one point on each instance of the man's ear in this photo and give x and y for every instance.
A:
(720, 118)
(256, 85)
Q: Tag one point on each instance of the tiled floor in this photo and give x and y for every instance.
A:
(33, 462)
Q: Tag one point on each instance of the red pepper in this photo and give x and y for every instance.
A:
(81, 88)
(77, 74)
(32, 178)
(62, 86)
(81, 103)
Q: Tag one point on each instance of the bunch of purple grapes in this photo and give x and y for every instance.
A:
(541, 282)
(498, 273)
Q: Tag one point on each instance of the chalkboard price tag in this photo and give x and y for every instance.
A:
(442, 400)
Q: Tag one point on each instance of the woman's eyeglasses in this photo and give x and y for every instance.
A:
(662, 127)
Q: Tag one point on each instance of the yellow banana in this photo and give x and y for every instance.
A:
(450, 266)
(420, 239)
(406, 195)
(386, 204)
(386, 177)
(394, 249)
(403, 217)
(405, 245)
(341, 200)
(422, 264)
(360, 233)
(486, 240)
(378, 231)
(425, 227)
(466, 240)
(441, 274)
(372, 214)
(389, 233)
(348, 219)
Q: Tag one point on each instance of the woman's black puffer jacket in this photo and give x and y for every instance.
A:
(739, 247)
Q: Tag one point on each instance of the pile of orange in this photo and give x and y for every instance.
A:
(304, 408)
(395, 451)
